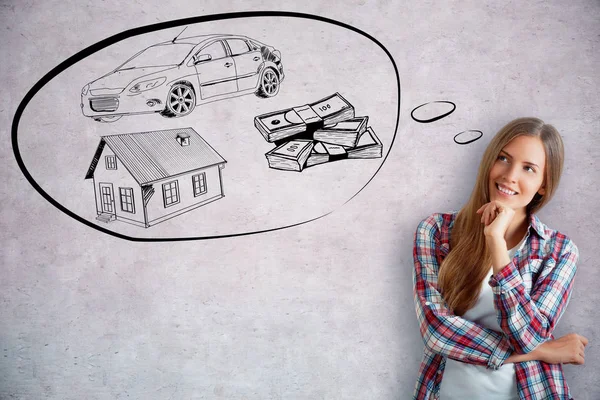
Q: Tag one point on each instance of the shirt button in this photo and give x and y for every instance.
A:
(503, 292)
(427, 303)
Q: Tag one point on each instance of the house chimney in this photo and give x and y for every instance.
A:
(183, 139)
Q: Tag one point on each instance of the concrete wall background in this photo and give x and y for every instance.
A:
(319, 311)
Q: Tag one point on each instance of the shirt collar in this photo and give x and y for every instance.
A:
(538, 226)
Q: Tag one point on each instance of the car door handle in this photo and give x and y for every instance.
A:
(228, 64)
(256, 58)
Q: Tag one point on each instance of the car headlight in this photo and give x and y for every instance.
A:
(85, 89)
(147, 85)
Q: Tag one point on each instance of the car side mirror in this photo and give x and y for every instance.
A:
(202, 58)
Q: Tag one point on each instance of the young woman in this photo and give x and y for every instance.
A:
(492, 281)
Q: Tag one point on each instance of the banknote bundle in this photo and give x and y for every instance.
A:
(317, 133)
(368, 146)
(290, 156)
(345, 133)
(301, 122)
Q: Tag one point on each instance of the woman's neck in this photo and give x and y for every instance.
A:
(517, 229)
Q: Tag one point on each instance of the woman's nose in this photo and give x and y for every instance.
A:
(512, 173)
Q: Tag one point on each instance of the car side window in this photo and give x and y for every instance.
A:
(215, 50)
(253, 46)
(238, 46)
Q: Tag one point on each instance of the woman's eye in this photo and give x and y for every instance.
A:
(502, 158)
(529, 169)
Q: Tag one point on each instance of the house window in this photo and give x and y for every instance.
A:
(111, 162)
(170, 193)
(126, 195)
(183, 139)
(199, 183)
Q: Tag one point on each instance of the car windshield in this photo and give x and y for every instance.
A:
(159, 56)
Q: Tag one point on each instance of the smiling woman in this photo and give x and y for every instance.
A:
(492, 281)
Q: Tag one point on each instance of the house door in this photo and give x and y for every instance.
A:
(107, 199)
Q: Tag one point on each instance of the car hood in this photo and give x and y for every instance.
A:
(119, 79)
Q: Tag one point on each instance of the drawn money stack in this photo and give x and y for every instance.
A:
(317, 133)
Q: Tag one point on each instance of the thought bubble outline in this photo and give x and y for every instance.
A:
(470, 141)
(156, 27)
(426, 121)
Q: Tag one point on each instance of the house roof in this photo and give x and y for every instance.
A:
(155, 155)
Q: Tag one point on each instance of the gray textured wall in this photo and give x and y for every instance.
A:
(320, 311)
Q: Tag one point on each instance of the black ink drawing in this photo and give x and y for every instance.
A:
(68, 70)
(172, 77)
(466, 137)
(317, 133)
(435, 110)
(432, 111)
(128, 170)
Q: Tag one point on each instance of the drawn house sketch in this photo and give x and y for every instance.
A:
(148, 177)
(172, 77)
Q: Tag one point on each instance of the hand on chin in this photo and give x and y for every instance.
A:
(496, 216)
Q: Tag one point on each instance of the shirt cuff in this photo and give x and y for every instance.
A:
(507, 279)
(499, 355)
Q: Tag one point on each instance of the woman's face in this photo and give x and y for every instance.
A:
(518, 172)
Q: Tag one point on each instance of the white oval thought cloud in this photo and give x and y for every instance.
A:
(56, 144)
(468, 136)
(432, 111)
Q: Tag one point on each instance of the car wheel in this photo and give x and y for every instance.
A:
(269, 84)
(181, 100)
(108, 118)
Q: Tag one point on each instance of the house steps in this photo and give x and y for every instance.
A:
(106, 217)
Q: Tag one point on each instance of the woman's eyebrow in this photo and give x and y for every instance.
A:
(530, 163)
(525, 162)
(507, 153)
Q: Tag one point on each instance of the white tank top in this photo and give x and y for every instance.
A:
(468, 381)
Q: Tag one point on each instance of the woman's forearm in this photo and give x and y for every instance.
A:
(568, 349)
(515, 358)
(498, 252)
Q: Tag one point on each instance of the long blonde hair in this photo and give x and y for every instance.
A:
(468, 261)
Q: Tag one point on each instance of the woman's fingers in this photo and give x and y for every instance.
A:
(489, 212)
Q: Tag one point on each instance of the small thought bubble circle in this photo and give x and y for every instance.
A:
(468, 136)
(432, 111)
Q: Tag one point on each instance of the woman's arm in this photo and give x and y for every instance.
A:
(527, 317)
(451, 336)
(443, 332)
(568, 349)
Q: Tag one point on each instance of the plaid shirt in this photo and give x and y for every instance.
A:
(530, 295)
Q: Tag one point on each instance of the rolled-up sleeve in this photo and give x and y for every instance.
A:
(528, 318)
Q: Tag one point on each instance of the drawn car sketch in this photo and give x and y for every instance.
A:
(128, 170)
(172, 77)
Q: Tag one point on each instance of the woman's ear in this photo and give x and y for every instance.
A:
(542, 191)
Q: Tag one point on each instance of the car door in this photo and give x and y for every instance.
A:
(247, 59)
(215, 70)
